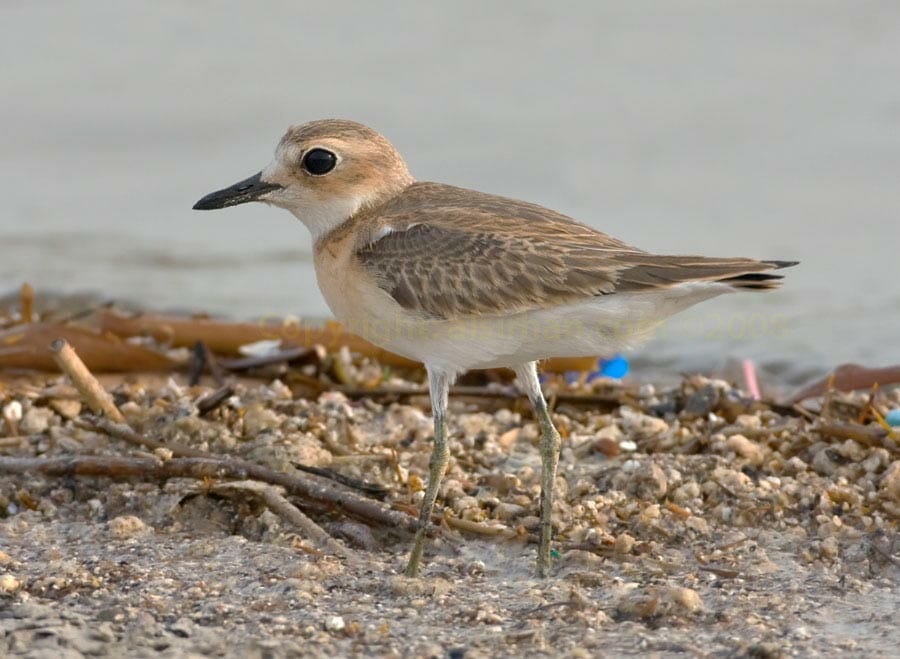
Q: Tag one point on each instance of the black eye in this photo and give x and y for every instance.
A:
(319, 161)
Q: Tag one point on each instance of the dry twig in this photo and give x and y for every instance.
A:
(372, 489)
(273, 499)
(207, 403)
(94, 394)
(866, 435)
(314, 490)
(849, 377)
(322, 494)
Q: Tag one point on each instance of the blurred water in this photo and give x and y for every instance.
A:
(768, 129)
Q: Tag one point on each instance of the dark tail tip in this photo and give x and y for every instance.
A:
(759, 281)
(781, 264)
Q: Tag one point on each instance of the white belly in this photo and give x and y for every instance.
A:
(601, 326)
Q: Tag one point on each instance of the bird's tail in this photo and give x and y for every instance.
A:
(759, 281)
(656, 272)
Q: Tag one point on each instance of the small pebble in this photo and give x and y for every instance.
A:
(9, 584)
(611, 432)
(258, 419)
(182, 627)
(66, 407)
(646, 390)
(698, 524)
(507, 439)
(746, 449)
(686, 598)
(748, 421)
(649, 482)
(608, 447)
(126, 526)
(624, 543)
(334, 624)
(163, 453)
(12, 414)
(829, 548)
(628, 445)
(823, 463)
(36, 420)
(890, 481)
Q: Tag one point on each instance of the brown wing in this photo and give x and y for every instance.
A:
(453, 253)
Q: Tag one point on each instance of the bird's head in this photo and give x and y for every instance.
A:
(323, 172)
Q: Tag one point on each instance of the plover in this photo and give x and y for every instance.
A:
(459, 280)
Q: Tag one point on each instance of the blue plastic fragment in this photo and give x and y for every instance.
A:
(616, 367)
(893, 417)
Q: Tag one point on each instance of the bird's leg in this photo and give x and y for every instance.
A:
(438, 385)
(550, 443)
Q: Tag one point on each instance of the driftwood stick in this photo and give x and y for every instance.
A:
(372, 489)
(476, 528)
(112, 467)
(93, 392)
(214, 399)
(849, 377)
(127, 434)
(866, 435)
(275, 502)
(26, 302)
(315, 490)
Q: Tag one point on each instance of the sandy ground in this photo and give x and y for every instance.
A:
(689, 523)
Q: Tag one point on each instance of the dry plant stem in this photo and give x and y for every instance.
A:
(849, 377)
(286, 510)
(866, 435)
(315, 490)
(214, 399)
(112, 467)
(93, 392)
(288, 355)
(26, 302)
(371, 489)
(477, 528)
(204, 360)
(127, 434)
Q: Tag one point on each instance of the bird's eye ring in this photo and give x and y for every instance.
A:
(318, 162)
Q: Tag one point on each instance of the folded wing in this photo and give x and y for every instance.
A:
(464, 255)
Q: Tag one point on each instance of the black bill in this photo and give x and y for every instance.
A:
(250, 189)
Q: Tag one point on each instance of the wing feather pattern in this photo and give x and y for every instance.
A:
(447, 253)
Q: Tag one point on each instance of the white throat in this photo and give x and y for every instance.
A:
(321, 217)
